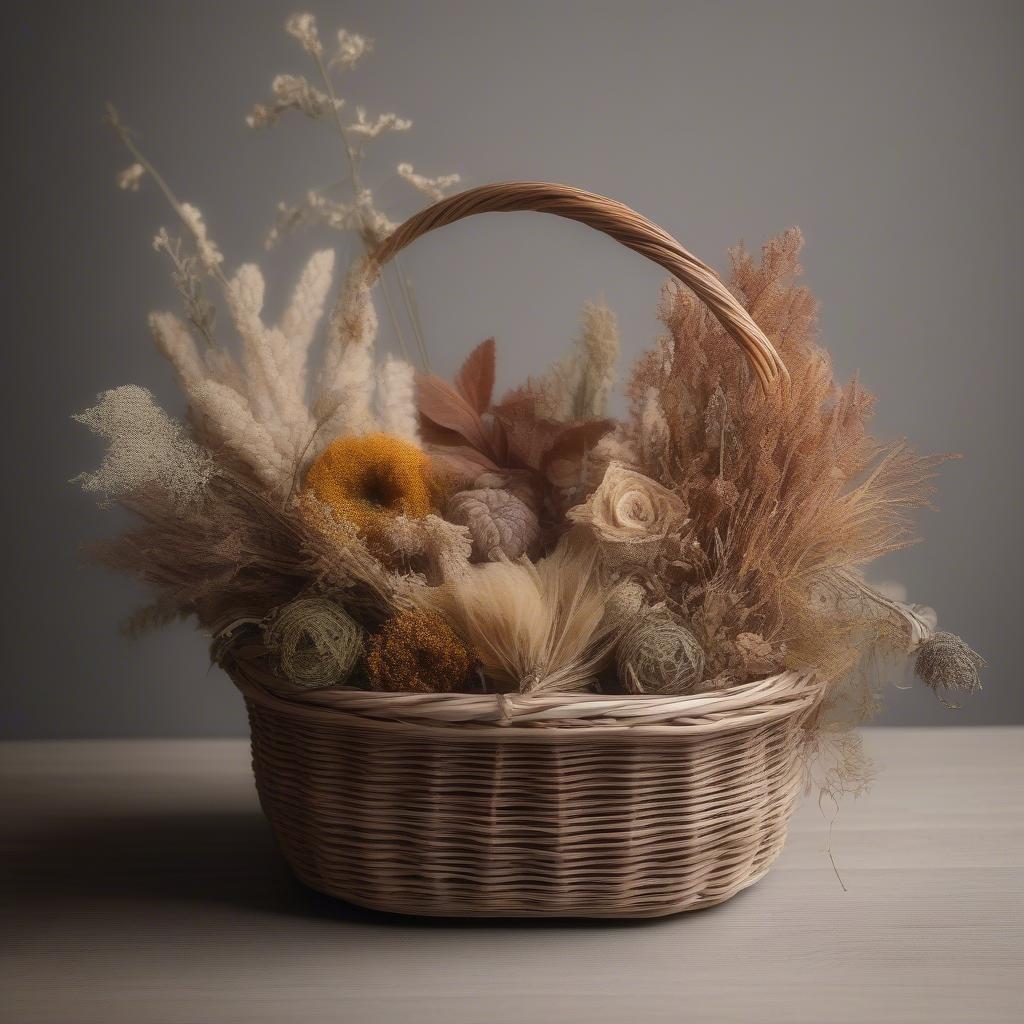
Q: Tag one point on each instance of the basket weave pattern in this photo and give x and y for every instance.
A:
(456, 805)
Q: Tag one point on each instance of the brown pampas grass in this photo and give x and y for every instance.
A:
(785, 490)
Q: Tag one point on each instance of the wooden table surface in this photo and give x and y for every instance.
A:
(142, 885)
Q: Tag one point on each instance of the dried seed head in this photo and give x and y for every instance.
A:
(945, 662)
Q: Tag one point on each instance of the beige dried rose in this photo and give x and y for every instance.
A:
(630, 508)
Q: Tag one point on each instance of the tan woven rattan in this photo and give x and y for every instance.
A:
(583, 805)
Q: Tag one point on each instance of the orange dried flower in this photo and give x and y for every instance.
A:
(372, 479)
(416, 651)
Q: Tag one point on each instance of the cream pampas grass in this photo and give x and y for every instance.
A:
(534, 627)
(578, 386)
(396, 400)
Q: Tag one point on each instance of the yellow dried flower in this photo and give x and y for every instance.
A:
(416, 651)
(370, 480)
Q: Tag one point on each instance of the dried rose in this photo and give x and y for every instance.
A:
(630, 508)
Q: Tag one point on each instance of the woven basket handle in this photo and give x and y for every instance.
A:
(622, 224)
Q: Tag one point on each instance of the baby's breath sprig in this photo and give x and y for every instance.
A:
(359, 212)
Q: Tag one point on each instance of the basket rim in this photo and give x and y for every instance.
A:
(545, 717)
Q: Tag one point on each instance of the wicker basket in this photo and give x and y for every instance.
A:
(578, 805)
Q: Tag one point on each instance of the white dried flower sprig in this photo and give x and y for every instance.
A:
(293, 92)
(256, 408)
(130, 177)
(207, 250)
(435, 188)
(303, 27)
(351, 49)
(187, 279)
(384, 123)
(361, 212)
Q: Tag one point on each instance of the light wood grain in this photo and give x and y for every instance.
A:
(142, 885)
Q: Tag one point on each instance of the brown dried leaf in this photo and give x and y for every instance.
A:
(445, 407)
(475, 380)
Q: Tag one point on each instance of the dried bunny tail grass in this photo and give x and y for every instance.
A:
(535, 628)
(147, 449)
(314, 642)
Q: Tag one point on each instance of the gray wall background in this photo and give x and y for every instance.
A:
(889, 132)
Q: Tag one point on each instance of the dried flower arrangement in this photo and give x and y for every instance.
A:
(372, 525)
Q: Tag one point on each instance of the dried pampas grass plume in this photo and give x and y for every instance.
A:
(578, 386)
(534, 628)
